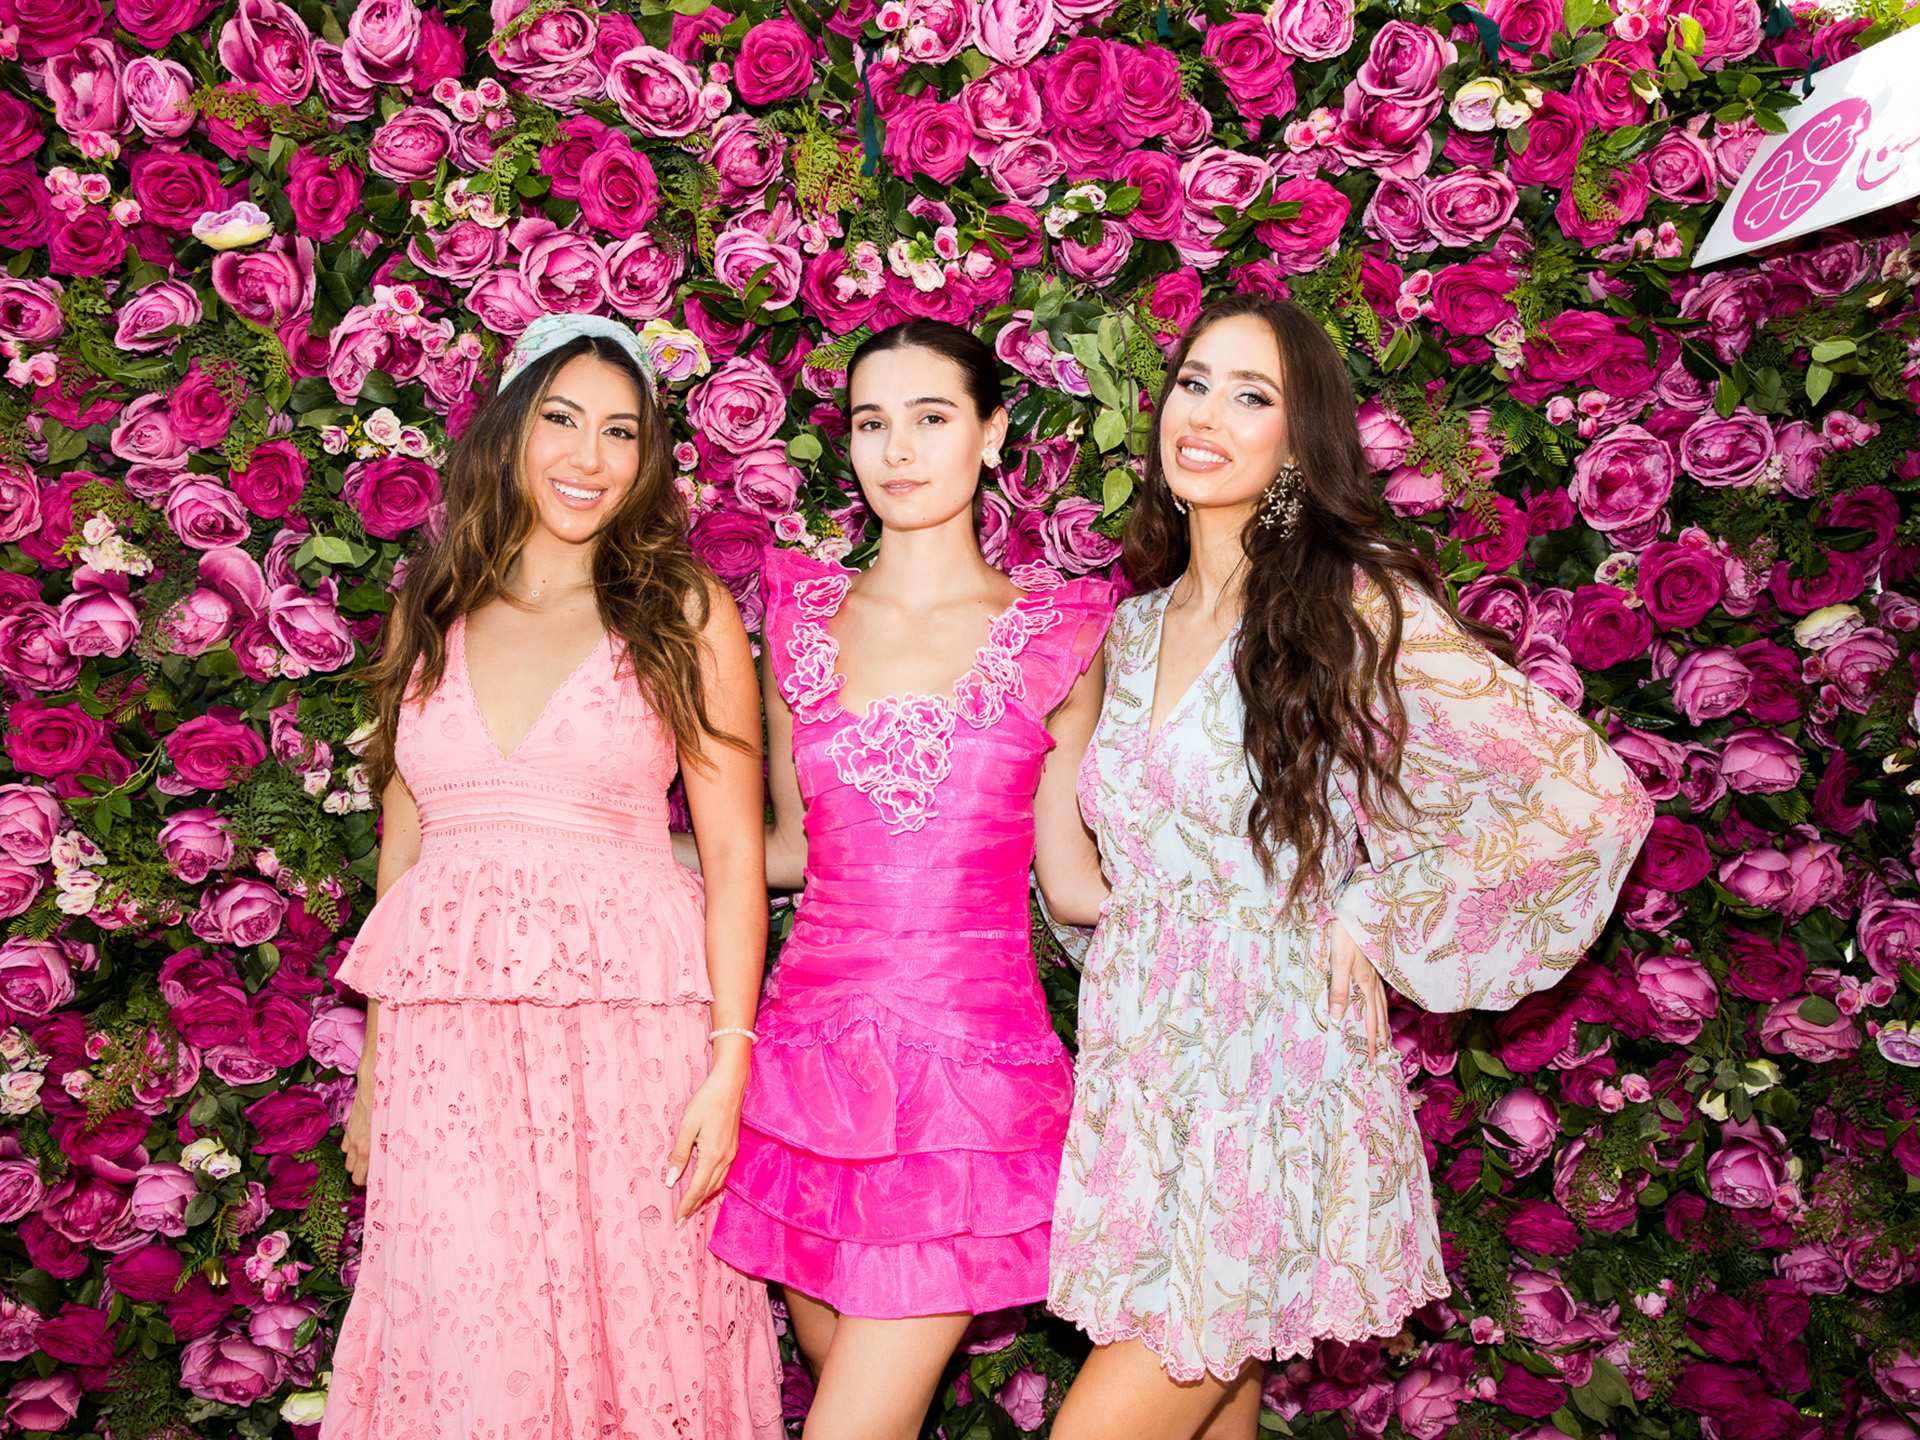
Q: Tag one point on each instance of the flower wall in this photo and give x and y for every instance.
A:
(261, 259)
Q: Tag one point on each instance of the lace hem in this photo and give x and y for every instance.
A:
(1244, 1352)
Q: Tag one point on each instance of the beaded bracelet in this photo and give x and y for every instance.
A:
(733, 1030)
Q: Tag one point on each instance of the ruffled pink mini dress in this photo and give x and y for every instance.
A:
(543, 1022)
(904, 1120)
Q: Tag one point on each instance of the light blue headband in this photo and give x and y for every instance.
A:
(550, 332)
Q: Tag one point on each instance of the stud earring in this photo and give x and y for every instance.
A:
(1280, 503)
(990, 457)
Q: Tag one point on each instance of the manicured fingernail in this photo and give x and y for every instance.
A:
(673, 1174)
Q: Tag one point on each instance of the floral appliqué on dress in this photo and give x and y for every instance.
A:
(900, 747)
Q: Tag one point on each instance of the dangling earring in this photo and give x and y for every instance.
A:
(1280, 504)
(1178, 503)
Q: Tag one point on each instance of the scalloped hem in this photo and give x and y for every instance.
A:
(1267, 1354)
(541, 1002)
(778, 1026)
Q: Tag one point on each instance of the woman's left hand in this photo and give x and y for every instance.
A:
(1352, 970)
(710, 1126)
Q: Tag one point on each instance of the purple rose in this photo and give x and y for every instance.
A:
(212, 750)
(1467, 205)
(775, 63)
(239, 912)
(1727, 452)
(1622, 479)
(1760, 762)
(230, 1369)
(393, 495)
(195, 843)
(267, 45)
(1710, 684)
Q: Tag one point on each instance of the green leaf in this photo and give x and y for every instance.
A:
(378, 389)
(1818, 1010)
(200, 1209)
(1834, 349)
(1109, 428)
(1116, 488)
(804, 448)
(1819, 381)
(1693, 36)
(333, 550)
(1726, 396)
(1490, 1066)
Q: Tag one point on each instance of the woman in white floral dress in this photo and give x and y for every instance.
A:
(1308, 777)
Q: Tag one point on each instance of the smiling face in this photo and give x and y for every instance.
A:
(1223, 430)
(917, 437)
(582, 454)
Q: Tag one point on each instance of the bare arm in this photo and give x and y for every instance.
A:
(399, 850)
(787, 836)
(723, 792)
(1066, 860)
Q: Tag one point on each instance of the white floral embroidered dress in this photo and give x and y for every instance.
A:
(1239, 1180)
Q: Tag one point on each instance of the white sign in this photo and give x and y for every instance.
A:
(1851, 147)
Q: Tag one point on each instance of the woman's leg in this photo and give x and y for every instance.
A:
(814, 1322)
(1123, 1390)
(880, 1375)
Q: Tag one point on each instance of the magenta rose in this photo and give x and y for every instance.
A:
(1541, 1227)
(412, 145)
(324, 192)
(273, 481)
(199, 409)
(1255, 72)
(1760, 762)
(1776, 695)
(732, 543)
(60, 742)
(1300, 244)
(289, 1122)
(1555, 132)
(1528, 1036)
(1675, 857)
(44, 1405)
(267, 46)
(1762, 969)
(1471, 298)
(25, 213)
(775, 62)
(147, 1274)
(618, 191)
(1680, 168)
(394, 494)
(1603, 630)
(268, 284)
(1622, 479)
(1679, 584)
(206, 515)
(931, 138)
(212, 750)
(88, 244)
(1889, 934)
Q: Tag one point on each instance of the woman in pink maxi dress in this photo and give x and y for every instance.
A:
(542, 988)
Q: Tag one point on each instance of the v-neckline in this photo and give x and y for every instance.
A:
(948, 697)
(480, 715)
(1154, 732)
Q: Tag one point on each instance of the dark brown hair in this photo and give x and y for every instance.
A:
(1316, 679)
(651, 591)
(971, 355)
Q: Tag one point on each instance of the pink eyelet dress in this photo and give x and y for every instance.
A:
(543, 1021)
(903, 1124)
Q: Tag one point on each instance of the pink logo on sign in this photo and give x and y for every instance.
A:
(1800, 172)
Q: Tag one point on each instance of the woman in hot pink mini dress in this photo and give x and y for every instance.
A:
(901, 1139)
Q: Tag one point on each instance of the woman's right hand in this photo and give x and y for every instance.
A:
(357, 1144)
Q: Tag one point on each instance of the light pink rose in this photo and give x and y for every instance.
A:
(1467, 205)
(1024, 1397)
(159, 96)
(240, 912)
(143, 322)
(99, 621)
(382, 36)
(1013, 31)
(1312, 29)
(657, 94)
(35, 979)
(336, 1037)
(1748, 1169)
(1760, 762)
(195, 843)
(30, 817)
(739, 257)
(740, 406)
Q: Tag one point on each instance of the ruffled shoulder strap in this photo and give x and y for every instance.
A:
(1059, 655)
(801, 594)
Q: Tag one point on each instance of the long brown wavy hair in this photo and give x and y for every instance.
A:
(1315, 677)
(651, 591)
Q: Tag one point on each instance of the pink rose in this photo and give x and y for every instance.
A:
(239, 912)
(269, 284)
(931, 138)
(1760, 762)
(740, 406)
(1603, 88)
(273, 480)
(154, 317)
(618, 191)
(336, 1036)
(199, 408)
(1467, 205)
(1710, 684)
(412, 145)
(1748, 1169)
(1255, 72)
(96, 621)
(267, 45)
(640, 277)
(1217, 177)
(658, 94)
(1680, 169)
(1301, 244)
(382, 36)
(1679, 992)
(1761, 878)
(746, 158)
(1523, 1126)
(33, 652)
(1555, 132)
(775, 62)
(1857, 666)
(35, 979)
(198, 622)
(1097, 262)
(158, 94)
(30, 310)
(206, 515)
(1070, 542)
(1428, 1401)
(45, 1405)
(744, 260)
(30, 818)
(1785, 1030)
(84, 85)
(503, 300)
(1013, 32)
(1727, 452)
(1312, 29)
(1622, 479)
(1024, 1397)
(564, 270)
(195, 843)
